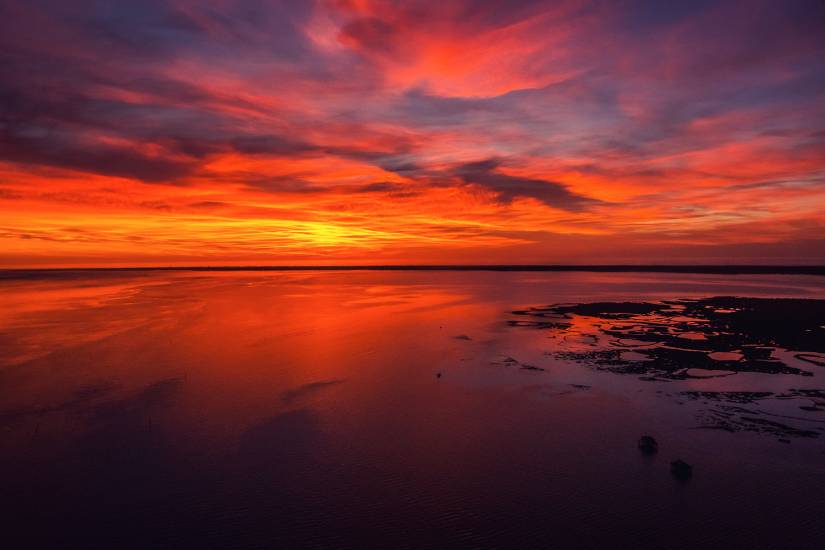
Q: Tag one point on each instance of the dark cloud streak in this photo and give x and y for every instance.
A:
(485, 174)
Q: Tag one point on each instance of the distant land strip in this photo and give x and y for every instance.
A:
(708, 269)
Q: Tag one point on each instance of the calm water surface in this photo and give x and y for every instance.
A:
(213, 410)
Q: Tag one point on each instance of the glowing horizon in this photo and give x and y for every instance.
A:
(364, 132)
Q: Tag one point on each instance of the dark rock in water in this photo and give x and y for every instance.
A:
(648, 445)
(784, 440)
(531, 367)
(681, 469)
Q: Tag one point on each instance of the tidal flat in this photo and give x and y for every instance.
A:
(401, 409)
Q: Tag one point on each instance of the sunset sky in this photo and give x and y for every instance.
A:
(452, 131)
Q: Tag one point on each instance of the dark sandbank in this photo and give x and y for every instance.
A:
(752, 327)
(727, 336)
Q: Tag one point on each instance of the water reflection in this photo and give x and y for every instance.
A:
(304, 409)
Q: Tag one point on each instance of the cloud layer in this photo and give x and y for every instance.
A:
(227, 131)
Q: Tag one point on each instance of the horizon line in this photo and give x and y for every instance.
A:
(755, 269)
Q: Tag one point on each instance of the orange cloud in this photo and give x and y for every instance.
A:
(414, 132)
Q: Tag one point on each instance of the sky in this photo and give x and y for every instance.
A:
(227, 132)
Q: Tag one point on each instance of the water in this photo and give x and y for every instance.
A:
(305, 409)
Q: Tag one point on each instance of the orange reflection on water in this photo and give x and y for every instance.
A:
(306, 406)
